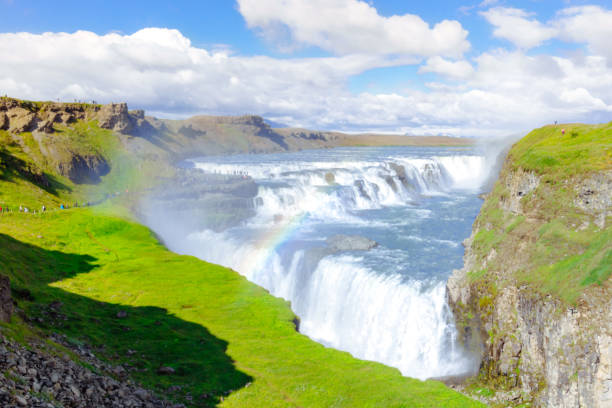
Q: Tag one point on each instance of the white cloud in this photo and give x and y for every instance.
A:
(160, 70)
(352, 27)
(591, 25)
(488, 3)
(452, 69)
(515, 26)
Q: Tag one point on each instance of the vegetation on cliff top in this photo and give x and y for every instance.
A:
(557, 156)
(565, 249)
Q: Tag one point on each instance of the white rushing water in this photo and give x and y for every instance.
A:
(386, 304)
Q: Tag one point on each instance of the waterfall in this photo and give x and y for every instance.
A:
(386, 304)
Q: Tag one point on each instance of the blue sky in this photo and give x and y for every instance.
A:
(451, 67)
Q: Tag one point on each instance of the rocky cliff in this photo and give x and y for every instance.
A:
(44, 132)
(17, 116)
(534, 296)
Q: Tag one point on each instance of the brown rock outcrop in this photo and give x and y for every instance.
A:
(21, 120)
(115, 116)
(4, 121)
(84, 168)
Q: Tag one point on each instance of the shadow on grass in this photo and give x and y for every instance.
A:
(144, 340)
(12, 167)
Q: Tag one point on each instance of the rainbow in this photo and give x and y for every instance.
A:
(268, 242)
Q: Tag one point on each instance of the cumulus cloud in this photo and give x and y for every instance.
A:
(352, 27)
(452, 69)
(591, 25)
(161, 71)
(160, 68)
(488, 3)
(516, 26)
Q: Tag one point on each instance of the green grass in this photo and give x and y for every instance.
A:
(17, 162)
(570, 276)
(559, 255)
(583, 149)
(219, 331)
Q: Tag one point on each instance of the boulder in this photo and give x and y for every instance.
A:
(165, 370)
(339, 243)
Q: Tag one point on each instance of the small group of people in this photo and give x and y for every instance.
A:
(24, 209)
(27, 210)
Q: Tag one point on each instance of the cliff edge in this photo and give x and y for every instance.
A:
(534, 296)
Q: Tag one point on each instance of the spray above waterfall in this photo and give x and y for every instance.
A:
(384, 302)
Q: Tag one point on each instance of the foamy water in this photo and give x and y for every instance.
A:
(386, 304)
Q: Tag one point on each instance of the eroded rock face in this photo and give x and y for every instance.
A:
(81, 167)
(21, 120)
(595, 196)
(115, 116)
(19, 116)
(4, 121)
(84, 169)
(519, 184)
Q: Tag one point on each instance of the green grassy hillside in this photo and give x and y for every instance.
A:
(30, 178)
(567, 251)
(220, 332)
